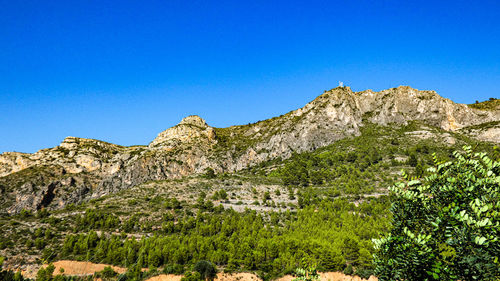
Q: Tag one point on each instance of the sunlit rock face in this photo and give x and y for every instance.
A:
(191, 129)
(79, 168)
(403, 104)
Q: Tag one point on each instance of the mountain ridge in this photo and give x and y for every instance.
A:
(82, 168)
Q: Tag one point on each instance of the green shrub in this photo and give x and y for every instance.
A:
(206, 270)
(173, 269)
(445, 226)
(107, 273)
(209, 173)
(348, 270)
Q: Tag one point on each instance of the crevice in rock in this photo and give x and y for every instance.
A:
(48, 196)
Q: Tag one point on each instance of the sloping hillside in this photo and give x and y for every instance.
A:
(79, 169)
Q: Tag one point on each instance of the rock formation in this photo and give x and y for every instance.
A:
(79, 168)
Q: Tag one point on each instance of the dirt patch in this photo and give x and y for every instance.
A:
(80, 268)
(75, 268)
(338, 276)
(330, 276)
(243, 276)
(165, 277)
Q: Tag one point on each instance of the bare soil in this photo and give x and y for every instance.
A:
(333, 276)
(76, 268)
(330, 276)
(80, 268)
(165, 277)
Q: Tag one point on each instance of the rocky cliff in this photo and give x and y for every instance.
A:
(79, 169)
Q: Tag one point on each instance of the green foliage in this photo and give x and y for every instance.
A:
(350, 250)
(332, 168)
(412, 160)
(43, 213)
(320, 224)
(173, 204)
(419, 170)
(491, 104)
(107, 273)
(134, 272)
(370, 162)
(192, 276)
(96, 219)
(173, 269)
(209, 173)
(25, 213)
(309, 273)
(9, 275)
(445, 226)
(45, 274)
(206, 270)
(273, 243)
(220, 195)
(349, 270)
(364, 273)
(40, 243)
(266, 196)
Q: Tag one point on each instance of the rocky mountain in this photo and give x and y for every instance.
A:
(79, 169)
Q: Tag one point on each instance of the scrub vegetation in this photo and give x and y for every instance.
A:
(320, 209)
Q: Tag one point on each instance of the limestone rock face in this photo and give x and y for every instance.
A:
(492, 134)
(403, 104)
(11, 162)
(485, 132)
(79, 169)
(191, 129)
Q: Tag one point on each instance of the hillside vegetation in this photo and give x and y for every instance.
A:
(322, 207)
(309, 189)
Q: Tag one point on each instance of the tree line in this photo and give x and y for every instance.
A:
(331, 234)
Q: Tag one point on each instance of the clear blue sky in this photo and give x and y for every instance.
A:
(123, 71)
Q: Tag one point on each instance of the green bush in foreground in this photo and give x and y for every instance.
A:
(445, 227)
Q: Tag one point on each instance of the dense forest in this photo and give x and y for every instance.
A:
(331, 234)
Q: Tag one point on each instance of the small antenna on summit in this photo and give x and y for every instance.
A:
(341, 84)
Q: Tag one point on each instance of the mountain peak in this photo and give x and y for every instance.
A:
(190, 128)
(194, 120)
(192, 145)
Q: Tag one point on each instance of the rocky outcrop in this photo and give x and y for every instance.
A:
(403, 104)
(489, 131)
(85, 168)
(43, 186)
(191, 129)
